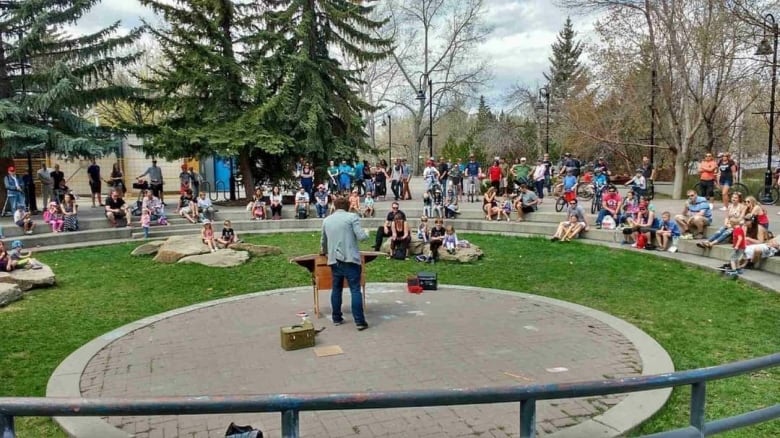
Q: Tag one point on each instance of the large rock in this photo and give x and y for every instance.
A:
(178, 247)
(28, 279)
(148, 248)
(9, 293)
(462, 255)
(257, 250)
(224, 258)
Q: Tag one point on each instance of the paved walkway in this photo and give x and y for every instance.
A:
(450, 338)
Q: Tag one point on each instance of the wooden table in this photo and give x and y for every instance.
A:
(322, 279)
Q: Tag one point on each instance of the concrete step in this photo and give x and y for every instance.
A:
(55, 239)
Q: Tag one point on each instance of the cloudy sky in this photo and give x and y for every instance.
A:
(518, 47)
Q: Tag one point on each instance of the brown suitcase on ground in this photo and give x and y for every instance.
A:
(298, 336)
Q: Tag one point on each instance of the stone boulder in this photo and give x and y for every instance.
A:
(9, 293)
(257, 250)
(28, 279)
(148, 248)
(178, 247)
(224, 258)
(462, 255)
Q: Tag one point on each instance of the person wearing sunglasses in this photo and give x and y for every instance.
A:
(695, 217)
(386, 230)
(566, 228)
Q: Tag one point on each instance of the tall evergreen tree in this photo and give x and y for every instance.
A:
(485, 116)
(315, 103)
(565, 67)
(205, 93)
(50, 79)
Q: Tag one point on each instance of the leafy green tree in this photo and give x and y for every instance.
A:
(315, 108)
(565, 66)
(50, 80)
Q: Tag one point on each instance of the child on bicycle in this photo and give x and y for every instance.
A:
(638, 183)
(570, 186)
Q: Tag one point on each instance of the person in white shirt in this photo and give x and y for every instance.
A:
(205, 208)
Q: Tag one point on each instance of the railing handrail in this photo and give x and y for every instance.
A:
(191, 405)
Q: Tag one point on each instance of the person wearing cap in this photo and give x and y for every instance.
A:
(13, 189)
(521, 171)
(321, 201)
(155, 179)
(341, 233)
(472, 172)
(207, 236)
(22, 259)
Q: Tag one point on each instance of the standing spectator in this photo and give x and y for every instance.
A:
(724, 177)
(547, 173)
(146, 221)
(307, 179)
(380, 179)
(495, 175)
(58, 181)
(406, 176)
(155, 180)
(610, 205)
(696, 216)
(345, 180)
(430, 176)
(648, 171)
(601, 165)
(444, 173)
(195, 180)
(341, 232)
(93, 173)
(368, 178)
(333, 176)
(473, 173)
(47, 184)
(539, 178)
(395, 180)
(184, 180)
(276, 202)
(386, 229)
(707, 168)
(321, 201)
(14, 189)
(456, 179)
(117, 179)
(506, 184)
(357, 175)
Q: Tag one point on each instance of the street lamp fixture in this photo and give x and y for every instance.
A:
(421, 97)
(544, 94)
(766, 49)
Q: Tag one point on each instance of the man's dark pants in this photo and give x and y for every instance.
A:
(351, 272)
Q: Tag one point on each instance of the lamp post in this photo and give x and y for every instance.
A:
(421, 97)
(652, 117)
(389, 139)
(764, 48)
(544, 93)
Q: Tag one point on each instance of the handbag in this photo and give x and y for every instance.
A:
(236, 431)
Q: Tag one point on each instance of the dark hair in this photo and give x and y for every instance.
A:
(341, 203)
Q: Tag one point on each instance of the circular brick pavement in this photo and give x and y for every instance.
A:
(451, 338)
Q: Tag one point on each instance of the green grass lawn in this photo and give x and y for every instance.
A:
(700, 318)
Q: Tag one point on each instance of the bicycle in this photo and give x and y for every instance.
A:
(471, 188)
(563, 200)
(595, 204)
(585, 191)
(717, 194)
(774, 196)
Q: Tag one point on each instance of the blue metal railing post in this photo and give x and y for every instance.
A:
(7, 426)
(290, 424)
(698, 401)
(528, 418)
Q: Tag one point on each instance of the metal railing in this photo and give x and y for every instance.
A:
(290, 405)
